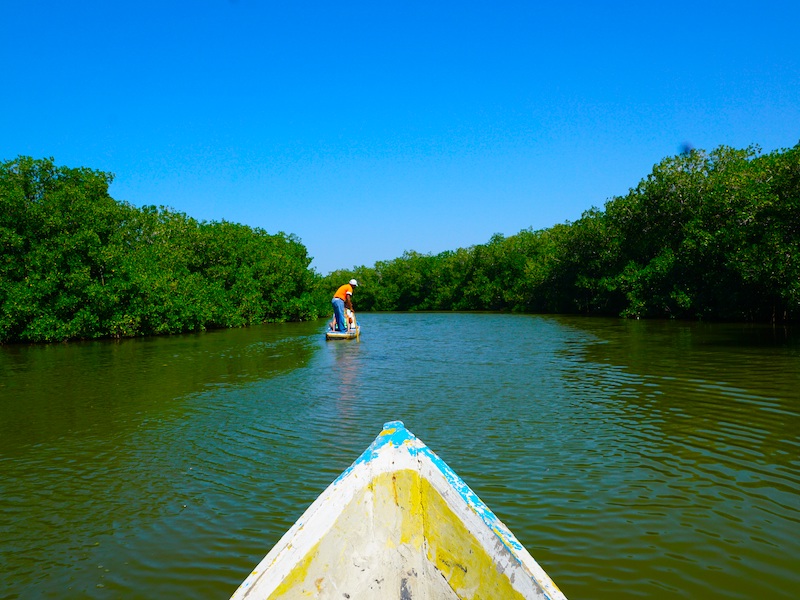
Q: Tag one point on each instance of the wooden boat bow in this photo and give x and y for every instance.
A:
(398, 523)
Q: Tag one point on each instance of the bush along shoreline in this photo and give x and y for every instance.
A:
(77, 264)
(706, 235)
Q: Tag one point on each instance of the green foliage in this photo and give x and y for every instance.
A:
(76, 264)
(711, 235)
(705, 235)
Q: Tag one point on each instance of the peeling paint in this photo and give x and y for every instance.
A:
(399, 521)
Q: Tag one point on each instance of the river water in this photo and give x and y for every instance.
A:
(632, 458)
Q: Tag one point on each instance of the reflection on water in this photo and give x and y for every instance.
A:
(50, 390)
(632, 458)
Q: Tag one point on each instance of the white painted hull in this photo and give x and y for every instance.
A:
(398, 524)
(343, 335)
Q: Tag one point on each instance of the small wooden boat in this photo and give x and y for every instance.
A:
(344, 335)
(398, 524)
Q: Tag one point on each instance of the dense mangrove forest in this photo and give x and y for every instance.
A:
(712, 236)
(706, 235)
(77, 264)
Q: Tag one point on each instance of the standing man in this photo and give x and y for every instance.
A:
(343, 299)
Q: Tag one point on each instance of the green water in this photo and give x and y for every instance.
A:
(632, 459)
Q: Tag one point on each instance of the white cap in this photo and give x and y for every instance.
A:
(354, 283)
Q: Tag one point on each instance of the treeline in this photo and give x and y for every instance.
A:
(77, 264)
(711, 236)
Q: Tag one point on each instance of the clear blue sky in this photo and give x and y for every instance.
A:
(371, 128)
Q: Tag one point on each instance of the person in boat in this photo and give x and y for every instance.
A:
(343, 298)
(351, 319)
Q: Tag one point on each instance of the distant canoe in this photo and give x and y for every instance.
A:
(343, 335)
(398, 524)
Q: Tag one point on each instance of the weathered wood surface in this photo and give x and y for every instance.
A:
(398, 523)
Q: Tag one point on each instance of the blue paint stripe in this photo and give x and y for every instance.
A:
(395, 435)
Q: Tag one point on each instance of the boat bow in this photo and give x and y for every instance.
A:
(398, 523)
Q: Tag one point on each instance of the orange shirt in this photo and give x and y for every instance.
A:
(343, 291)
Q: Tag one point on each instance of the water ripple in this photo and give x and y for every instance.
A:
(632, 459)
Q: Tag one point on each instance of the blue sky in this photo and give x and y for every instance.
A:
(372, 128)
